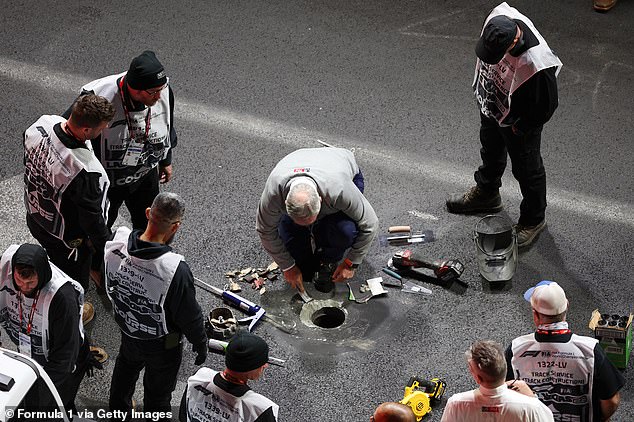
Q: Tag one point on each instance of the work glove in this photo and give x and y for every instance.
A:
(93, 363)
(201, 352)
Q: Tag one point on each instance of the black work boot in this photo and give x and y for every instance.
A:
(526, 235)
(475, 200)
(323, 281)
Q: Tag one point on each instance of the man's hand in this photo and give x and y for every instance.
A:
(201, 350)
(165, 174)
(92, 362)
(521, 387)
(342, 273)
(294, 277)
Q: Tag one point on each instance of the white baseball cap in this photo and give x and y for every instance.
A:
(547, 298)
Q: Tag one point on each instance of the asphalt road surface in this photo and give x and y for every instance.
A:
(255, 80)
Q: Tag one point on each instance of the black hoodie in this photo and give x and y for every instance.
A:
(63, 315)
(181, 308)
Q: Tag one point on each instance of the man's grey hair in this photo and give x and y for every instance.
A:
(303, 200)
(488, 356)
(551, 319)
(167, 208)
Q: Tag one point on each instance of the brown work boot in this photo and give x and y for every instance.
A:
(526, 235)
(603, 5)
(475, 200)
(87, 313)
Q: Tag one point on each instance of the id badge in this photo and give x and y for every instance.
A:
(132, 153)
(24, 346)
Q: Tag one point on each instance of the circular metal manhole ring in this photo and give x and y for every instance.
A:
(327, 314)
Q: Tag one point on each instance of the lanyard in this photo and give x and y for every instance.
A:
(29, 324)
(128, 119)
(554, 332)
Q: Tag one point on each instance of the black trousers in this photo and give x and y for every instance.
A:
(159, 381)
(137, 197)
(68, 388)
(39, 397)
(526, 161)
(75, 265)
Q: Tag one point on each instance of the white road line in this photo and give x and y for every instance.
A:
(603, 75)
(450, 175)
(422, 215)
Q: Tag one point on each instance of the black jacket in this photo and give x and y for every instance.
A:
(63, 315)
(533, 103)
(81, 205)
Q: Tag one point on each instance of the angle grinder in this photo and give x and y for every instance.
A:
(444, 270)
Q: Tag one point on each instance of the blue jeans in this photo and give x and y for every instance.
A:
(333, 235)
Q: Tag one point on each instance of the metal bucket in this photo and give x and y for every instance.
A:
(496, 248)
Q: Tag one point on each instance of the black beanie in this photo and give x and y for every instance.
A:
(146, 72)
(246, 352)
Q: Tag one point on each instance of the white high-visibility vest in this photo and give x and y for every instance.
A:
(50, 167)
(494, 84)
(10, 307)
(116, 137)
(561, 374)
(206, 402)
(137, 287)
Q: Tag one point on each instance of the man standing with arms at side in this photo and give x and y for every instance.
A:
(40, 309)
(494, 400)
(154, 302)
(311, 212)
(136, 149)
(515, 86)
(65, 189)
(569, 373)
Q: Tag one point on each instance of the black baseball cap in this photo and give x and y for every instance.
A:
(497, 37)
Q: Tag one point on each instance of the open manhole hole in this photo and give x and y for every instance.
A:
(323, 314)
(328, 317)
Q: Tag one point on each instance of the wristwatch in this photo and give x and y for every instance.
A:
(350, 265)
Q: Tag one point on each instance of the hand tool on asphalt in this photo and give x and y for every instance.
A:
(410, 287)
(221, 347)
(402, 235)
(419, 394)
(406, 286)
(305, 296)
(399, 229)
(395, 281)
(256, 312)
(444, 270)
